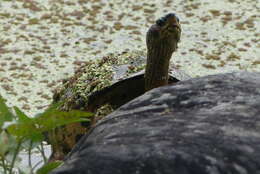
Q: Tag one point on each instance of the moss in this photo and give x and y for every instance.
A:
(103, 111)
(75, 91)
(96, 75)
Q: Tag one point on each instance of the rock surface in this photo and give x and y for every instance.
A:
(208, 125)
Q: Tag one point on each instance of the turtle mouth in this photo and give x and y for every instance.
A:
(173, 27)
(169, 23)
(176, 26)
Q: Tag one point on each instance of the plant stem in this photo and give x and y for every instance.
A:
(29, 154)
(15, 155)
(38, 163)
(43, 154)
(3, 164)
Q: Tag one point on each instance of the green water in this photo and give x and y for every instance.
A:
(41, 42)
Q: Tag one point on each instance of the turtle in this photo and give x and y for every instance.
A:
(103, 85)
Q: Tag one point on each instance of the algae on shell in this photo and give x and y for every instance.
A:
(96, 75)
(74, 93)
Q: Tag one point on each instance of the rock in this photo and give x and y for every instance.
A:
(207, 125)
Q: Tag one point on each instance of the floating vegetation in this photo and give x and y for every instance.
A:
(256, 62)
(215, 12)
(33, 21)
(233, 57)
(47, 33)
(6, 15)
(208, 66)
(212, 57)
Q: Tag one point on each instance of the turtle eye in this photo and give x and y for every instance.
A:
(171, 15)
(178, 20)
(160, 22)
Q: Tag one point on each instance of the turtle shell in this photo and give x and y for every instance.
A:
(127, 88)
(100, 86)
(114, 79)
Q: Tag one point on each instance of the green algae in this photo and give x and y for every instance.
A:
(95, 75)
(74, 93)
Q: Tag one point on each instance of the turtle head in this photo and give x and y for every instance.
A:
(169, 27)
(166, 29)
(169, 23)
(161, 39)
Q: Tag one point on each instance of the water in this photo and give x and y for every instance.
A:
(40, 40)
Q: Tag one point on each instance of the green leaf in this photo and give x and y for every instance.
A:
(5, 114)
(22, 117)
(33, 128)
(55, 118)
(8, 143)
(49, 167)
(52, 107)
(22, 129)
(35, 137)
(3, 143)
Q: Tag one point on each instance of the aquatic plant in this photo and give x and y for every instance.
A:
(21, 133)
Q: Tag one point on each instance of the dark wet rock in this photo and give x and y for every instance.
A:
(208, 125)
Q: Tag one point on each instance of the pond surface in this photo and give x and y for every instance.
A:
(43, 41)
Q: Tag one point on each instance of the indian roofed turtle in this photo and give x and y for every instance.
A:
(103, 85)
